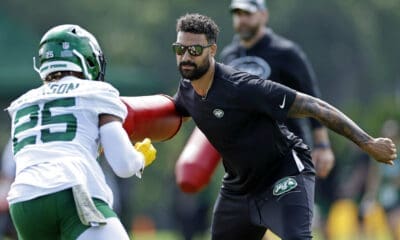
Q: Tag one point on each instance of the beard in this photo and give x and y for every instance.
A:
(246, 33)
(197, 71)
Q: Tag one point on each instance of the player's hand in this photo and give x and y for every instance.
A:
(147, 149)
(381, 149)
(324, 160)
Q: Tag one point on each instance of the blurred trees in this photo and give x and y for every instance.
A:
(352, 44)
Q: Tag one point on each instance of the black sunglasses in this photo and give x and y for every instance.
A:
(194, 50)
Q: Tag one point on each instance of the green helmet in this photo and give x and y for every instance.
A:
(70, 48)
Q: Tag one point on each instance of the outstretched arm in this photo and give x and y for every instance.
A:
(381, 149)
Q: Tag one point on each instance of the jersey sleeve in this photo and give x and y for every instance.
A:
(104, 99)
(268, 97)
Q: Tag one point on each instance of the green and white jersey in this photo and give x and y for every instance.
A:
(55, 131)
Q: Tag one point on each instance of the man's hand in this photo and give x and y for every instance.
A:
(322, 154)
(147, 149)
(324, 160)
(381, 149)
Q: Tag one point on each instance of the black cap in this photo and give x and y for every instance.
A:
(248, 5)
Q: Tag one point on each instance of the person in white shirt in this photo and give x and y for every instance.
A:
(59, 190)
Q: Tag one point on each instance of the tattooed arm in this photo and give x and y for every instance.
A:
(382, 149)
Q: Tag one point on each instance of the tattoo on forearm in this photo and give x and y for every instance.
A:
(328, 115)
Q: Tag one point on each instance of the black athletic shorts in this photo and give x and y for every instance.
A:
(286, 208)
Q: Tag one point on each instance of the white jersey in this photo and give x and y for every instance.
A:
(55, 130)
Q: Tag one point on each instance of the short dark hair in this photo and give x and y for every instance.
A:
(198, 24)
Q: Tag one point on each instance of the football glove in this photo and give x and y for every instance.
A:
(147, 149)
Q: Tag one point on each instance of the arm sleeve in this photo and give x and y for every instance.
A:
(118, 150)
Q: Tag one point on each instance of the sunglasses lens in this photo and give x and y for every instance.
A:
(195, 50)
(179, 49)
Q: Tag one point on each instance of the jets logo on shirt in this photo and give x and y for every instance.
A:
(284, 185)
(218, 113)
(253, 65)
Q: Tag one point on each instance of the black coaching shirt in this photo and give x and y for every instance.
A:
(240, 118)
(280, 60)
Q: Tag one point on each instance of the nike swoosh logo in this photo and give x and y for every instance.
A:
(283, 102)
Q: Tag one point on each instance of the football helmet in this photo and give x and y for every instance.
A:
(70, 48)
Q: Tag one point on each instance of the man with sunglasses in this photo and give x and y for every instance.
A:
(260, 51)
(269, 180)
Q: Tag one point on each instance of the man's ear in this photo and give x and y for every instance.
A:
(213, 49)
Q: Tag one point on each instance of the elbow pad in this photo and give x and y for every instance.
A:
(118, 150)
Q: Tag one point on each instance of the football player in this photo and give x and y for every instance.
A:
(59, 190)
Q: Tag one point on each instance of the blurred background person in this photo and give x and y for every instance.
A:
(192, 213)
(343, 219)
(383, 185)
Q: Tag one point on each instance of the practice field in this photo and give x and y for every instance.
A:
(170, 235)
(342, 224)
(163, 235)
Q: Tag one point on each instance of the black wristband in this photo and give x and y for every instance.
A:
(322, 145)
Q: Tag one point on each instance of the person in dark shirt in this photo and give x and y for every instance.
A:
(259, 50)
(269, 180)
